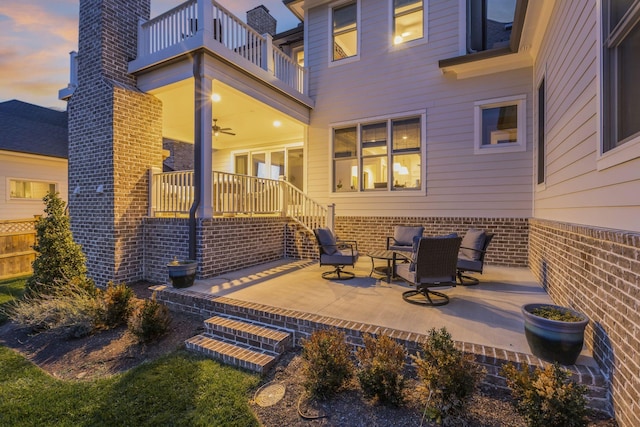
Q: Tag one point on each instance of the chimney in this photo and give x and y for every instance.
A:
(261, 20)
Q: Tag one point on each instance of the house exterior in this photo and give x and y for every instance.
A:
(443, 113)
(33, 158)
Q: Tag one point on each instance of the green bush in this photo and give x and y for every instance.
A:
(449, 378)
(117, 303)
(59, 259)
(71, 307)
(149, 320)
(327, 363)
(547, 397)
(380, 365)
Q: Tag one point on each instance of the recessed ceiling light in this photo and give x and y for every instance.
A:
(277, 123)
(216, 97)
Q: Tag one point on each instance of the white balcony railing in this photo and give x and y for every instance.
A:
(172, 194)
(174, 27)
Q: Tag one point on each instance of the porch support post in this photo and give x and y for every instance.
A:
(203, 120)
(331, 217)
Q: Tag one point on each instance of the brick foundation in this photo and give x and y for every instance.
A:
(508, 248)
(597, 271)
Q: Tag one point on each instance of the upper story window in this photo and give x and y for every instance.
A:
(500, 125)
(408, 20)
(489, 24)
(32, 190)
(379, 155)
(621, 68)
(344, 23)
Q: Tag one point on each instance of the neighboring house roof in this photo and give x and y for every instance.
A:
(28, 128)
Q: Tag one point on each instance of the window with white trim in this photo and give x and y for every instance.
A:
(31, 190)
(500, 125)
(408, 20)
(344, 33)
(621, 68)
(378, 155)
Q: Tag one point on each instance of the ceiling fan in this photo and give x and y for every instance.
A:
(217, 130)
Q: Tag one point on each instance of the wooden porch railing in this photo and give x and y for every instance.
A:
(172, 194)
(182, 22)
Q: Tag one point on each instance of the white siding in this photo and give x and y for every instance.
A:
(575, 191)
(386, 81)
(29, 167)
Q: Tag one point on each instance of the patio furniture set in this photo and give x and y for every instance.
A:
(425, 262)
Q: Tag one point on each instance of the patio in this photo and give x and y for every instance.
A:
(487, 314)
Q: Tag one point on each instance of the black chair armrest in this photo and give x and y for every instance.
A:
(389, 239)
(350, 243)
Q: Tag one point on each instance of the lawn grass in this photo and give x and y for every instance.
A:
(10, 290)
(180, 389)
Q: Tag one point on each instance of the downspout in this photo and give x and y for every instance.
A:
(197, 155)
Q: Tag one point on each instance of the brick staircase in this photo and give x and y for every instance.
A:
(241, 343)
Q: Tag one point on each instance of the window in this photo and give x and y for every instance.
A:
(489, 24)
(408, 20)
(34, 190)
(542, 117)
(621, 67)
(500, 125)
(344, 31)
(381, 155)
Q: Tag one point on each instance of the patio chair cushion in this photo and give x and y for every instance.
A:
(327, 241)
(473, 239)
(404, 235)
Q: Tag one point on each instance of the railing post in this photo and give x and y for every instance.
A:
(153, 198)
(284, 196)
(143, 39)
(331, 216)
(205, 19)
(267, 53)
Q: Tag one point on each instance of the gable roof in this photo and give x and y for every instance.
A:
(28, 128)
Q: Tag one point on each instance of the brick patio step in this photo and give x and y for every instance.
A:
(257, 336)
(231, 354)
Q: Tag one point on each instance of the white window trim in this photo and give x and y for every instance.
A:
(358, 122)
(411, 43)
(23, 199)
(521, 145)
(628, 151)
(350, 59)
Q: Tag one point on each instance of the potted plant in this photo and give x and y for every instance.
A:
(182, 272)
(554, 333)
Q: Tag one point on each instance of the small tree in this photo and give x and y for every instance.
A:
(59, 259)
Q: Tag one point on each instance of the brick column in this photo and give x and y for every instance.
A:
(115, 136)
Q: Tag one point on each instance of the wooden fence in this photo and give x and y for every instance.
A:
(17, 238)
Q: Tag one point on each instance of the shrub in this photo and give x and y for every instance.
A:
(449, 377)
(59, 259)
(380, 366)
(149, 320)
(547, 397)
(327, 363)
(117, 303)
(71, 307)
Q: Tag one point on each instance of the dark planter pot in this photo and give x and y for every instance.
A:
(554, 340)
(182, 272)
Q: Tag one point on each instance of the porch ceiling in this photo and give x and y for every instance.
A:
(251, 120)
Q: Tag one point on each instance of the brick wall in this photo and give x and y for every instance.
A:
(114, 137)
(225, 244)
(597, 272)
(509, 246)
(180, 154)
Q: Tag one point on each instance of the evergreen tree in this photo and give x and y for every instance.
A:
(59, 259)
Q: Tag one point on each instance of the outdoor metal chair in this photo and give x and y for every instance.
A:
(471, 255)
(338, 253)
(402, 239)
(434, 265)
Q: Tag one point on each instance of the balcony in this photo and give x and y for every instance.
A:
(197, 24)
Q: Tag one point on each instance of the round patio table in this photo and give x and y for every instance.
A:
(391, 257)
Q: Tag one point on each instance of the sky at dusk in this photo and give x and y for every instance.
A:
(36, 37)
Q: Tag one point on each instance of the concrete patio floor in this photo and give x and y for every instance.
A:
(487, 314)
